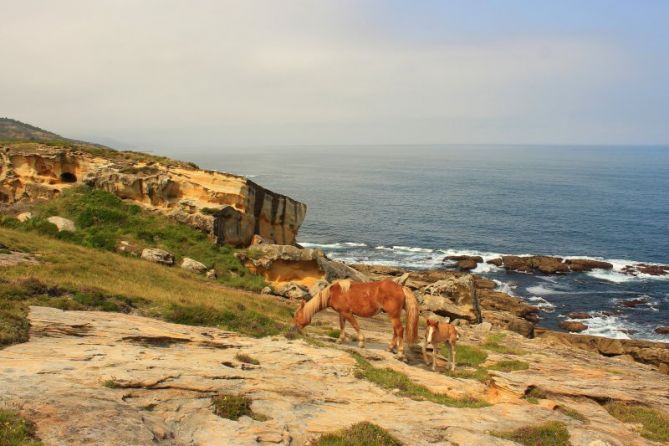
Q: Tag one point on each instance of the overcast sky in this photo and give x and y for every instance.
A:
(184, 74)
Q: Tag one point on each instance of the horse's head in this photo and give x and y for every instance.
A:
(298, 319)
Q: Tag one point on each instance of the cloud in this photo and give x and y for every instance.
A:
(211, 73)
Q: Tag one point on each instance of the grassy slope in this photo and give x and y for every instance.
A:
(71, 276)
(103, 220)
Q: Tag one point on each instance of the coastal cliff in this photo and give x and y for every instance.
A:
(230, 208)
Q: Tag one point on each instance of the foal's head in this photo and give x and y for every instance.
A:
(299, 318)
(431, 327)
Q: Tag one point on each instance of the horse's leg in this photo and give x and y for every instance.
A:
(452, 352)
(434, 355)
(361, 338)
(399, 330)
(342, 332)
(393, 342)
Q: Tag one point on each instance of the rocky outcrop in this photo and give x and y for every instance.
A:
(573, 326)
(230, 208)
(643, 268)
(156, 380)
(648, 352)
(464, 262)
(547, 264)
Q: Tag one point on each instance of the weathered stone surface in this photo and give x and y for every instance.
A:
(24, 216)
(573, 326)
(162, 389)
(230, 208)
(579, 315)
(548, 264)
(157, 255)
(63, 224)
(643, 268)
(211, 274)
(662, 329)
(193, 265)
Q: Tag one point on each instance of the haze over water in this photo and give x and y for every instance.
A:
(411, 205)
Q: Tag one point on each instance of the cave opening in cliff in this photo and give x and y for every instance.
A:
(68, 177)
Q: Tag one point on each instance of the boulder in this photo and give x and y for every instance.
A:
(610, 347)
(158, 255)
(497, 262)
(578, 315)
(292, 291)
(266, 290)
(653, 270)
(484, 284)
(125, 247)
(633, 303)
(458, 289)
(63, 224)
(573, 326)
(337, 270)
(193, 265)
(509, 321)
(662, 329)
(579, 265)
(24, 216)
(444, 307)
(463, 262)
(481, 330)
(211, 274)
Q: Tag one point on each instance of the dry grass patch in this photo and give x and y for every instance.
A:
(552, 433)
(494, 344)
(76, 277)
(16, 431)
(572, 413)
(243, 357)
(360, 434)
(655, 423)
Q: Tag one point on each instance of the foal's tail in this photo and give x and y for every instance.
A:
(411, 307)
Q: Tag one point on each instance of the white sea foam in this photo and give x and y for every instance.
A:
(607, 326)
(342, 245)
(542, 303)
(505, 287)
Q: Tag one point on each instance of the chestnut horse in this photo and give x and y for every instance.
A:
(365, 299)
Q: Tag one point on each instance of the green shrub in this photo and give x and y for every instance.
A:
(16, 431)
(360, 434)
(233, 407)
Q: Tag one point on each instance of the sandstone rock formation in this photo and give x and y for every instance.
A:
(464, 263)
(288, 267)
(573, 326)
(230, 208)
(133, 380)
(157, 255)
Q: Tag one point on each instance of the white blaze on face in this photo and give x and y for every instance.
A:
(430, 332)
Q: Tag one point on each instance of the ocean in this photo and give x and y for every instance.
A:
(410, 206)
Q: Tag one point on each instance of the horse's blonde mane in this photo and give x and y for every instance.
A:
(321, 300)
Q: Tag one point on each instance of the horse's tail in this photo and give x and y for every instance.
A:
(411, 307)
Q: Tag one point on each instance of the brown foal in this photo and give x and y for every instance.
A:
(435, 333)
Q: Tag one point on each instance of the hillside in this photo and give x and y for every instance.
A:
(13, 130)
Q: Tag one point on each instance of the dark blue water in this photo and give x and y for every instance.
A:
(409, 206)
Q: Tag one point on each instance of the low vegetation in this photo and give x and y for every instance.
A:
(494, 344)
(552, 433)
(233, 407)
(360, 434)
(391, 379)
(509, 366)
(467, 355)
(655, 423)
(534, 394)
(16, 431)
(103, 221)
(572, 413)
(243, 357)
(79, 278)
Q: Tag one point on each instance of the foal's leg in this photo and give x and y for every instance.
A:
(361, 338)
(342, 333)
(434, 355)
(427, 361)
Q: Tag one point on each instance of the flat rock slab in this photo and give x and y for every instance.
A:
(93, 378)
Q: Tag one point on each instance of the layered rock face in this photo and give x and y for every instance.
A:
(232, 209)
